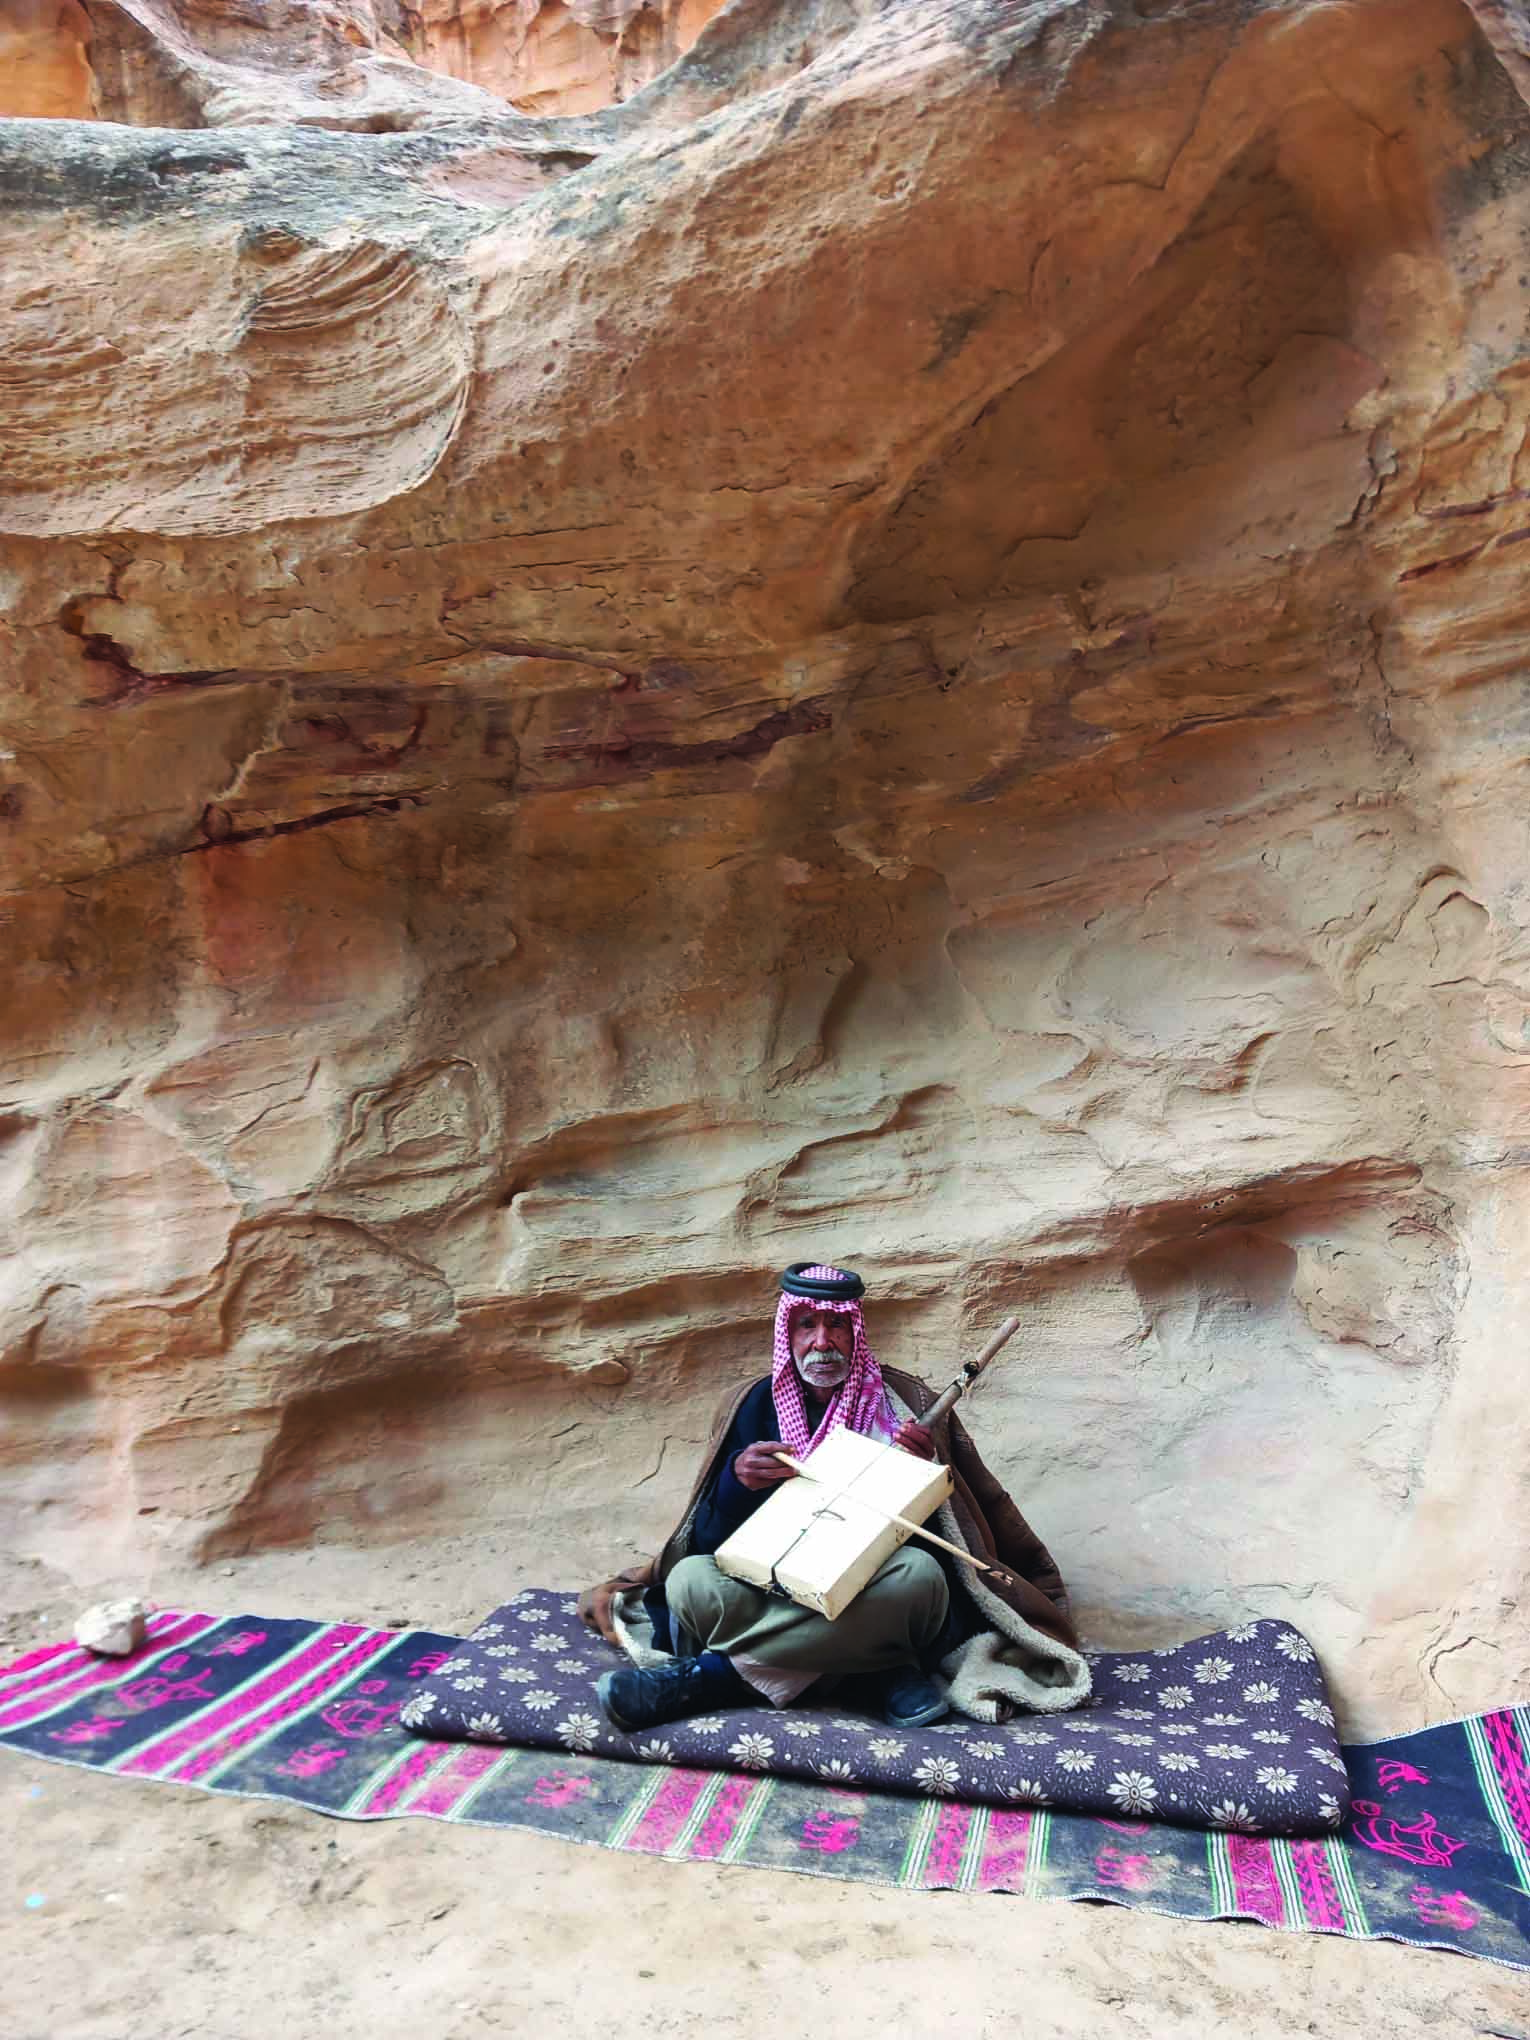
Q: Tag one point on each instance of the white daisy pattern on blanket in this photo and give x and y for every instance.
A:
(1133, 1791)
(1157, 1740)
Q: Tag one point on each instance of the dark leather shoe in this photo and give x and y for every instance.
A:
(905, 1698)
(644, 1696)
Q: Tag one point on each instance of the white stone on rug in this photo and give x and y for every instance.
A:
(112, 1628)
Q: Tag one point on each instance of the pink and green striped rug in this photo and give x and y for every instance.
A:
(1436, 1850)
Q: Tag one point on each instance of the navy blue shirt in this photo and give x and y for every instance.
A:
(725, 1502)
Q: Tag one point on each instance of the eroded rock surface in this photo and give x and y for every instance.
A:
(361, 65)
(548, 57)
(902, 647)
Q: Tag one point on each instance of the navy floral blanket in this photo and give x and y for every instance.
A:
(1231, 1731)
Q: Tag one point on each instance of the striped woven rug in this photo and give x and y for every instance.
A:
(1436, 1852)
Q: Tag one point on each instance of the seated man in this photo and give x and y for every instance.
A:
(715, 1642)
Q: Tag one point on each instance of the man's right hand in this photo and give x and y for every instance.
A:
(758, 1467)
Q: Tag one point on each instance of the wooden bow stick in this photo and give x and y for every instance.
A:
(904, 1522)
(933, 1414)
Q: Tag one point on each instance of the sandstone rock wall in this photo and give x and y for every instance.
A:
(546, 57)
(903, 647)
(43, 62)
(361, 64)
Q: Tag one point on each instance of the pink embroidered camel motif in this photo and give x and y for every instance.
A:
(86, 1731)
(158, 1691)
(831, 1834)
(314, 1759)
(1393, 1775)
(560, 1788)
(359, 1717)
(1444, 1908)
(237, 1644)
(1414, 1841)
(1115, 1866)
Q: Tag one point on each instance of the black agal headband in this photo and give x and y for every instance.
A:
(843, 1286)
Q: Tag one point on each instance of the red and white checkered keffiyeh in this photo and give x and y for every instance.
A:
(859, 1403)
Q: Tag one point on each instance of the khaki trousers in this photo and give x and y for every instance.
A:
(896, 1615)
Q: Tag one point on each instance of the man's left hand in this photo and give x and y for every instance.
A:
(916, 1439)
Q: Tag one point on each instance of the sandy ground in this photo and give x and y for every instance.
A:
(177, 1913)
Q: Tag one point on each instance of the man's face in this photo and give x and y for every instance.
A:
(822, 1342)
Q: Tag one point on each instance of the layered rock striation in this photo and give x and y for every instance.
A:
(902, 644)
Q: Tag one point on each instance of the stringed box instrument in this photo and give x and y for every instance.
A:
(820, 1538)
